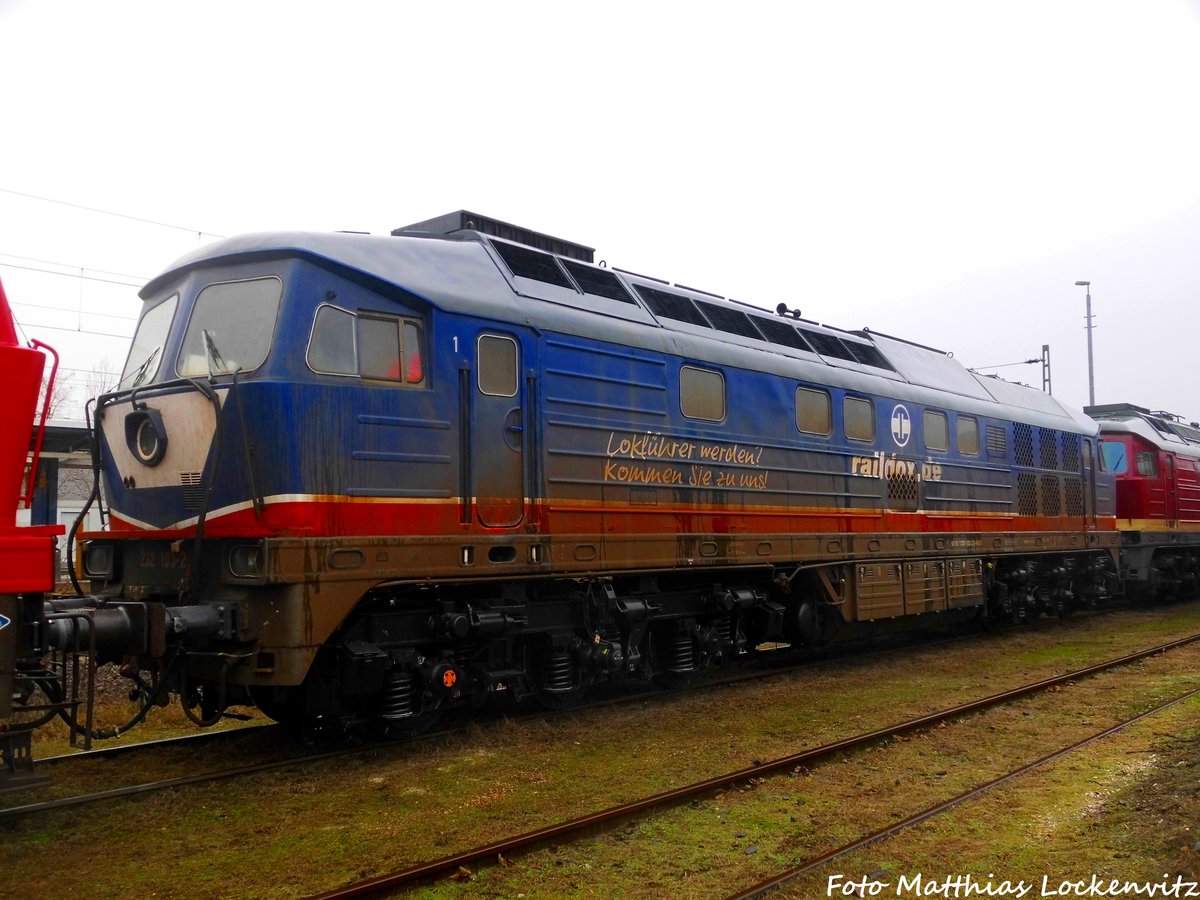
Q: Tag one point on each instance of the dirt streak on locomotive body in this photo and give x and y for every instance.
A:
(361, 478)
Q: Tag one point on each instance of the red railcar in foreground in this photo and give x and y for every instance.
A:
(1155, 458)
(27, 554)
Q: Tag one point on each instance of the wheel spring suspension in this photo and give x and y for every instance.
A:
(683, 654)
(724, 628)
(399, 696)
(558, 670)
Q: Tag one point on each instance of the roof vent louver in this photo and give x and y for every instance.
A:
(532, 264)
(867, 354)
(666, 305)
(827, 345)
(778, 332)
(600, 282)
(732, 321)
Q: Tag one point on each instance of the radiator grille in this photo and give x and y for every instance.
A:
(193, 490)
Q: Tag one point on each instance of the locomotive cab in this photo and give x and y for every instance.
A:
(217, 473)
(1140, 471)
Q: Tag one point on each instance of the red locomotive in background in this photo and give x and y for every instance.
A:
(1155, 458)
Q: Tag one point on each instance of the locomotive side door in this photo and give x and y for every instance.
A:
(1089, 485)
(498, 440)
(1171, 507)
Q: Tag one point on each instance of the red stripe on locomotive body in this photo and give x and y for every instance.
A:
(345, 517)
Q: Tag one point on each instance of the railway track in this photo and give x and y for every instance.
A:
(771, 664)
(770, 885)
(189, 741)
(575, 828)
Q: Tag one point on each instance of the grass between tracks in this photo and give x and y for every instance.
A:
(114, 709)
(300, 831)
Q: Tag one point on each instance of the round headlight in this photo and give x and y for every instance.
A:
(147, 441)
(146, 436)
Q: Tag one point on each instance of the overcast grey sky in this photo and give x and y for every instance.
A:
(942, 171)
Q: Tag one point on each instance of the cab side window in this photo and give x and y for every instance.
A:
(331, 347)
(381, 348)
(1146, 464)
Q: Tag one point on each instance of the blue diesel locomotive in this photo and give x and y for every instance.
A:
(359, 479)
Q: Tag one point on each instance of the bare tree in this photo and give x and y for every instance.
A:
(99, 379)
(72, 391)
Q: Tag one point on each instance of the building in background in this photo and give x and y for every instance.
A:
(64, 479)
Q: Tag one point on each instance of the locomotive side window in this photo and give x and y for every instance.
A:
(379, 348)
(967, 429)
(814, 411)
(231, 327)
(145, 357)
(1113, 454)
(376, 347)
(414, 371)
(702, 394)
(937, 431)
(1146, 464)
(497, 366)
(331, 348)
(859, 419)
(390, 350)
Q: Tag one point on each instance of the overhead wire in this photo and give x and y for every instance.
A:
(108, 212)
(89, 371)
(82, 269)
(81, 312)
(123, 337)
(82, 275)
(70, 274)
(54, 262)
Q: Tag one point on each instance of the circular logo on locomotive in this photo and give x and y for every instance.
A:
(901, 425)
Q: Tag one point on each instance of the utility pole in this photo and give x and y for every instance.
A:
(1087, 285)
